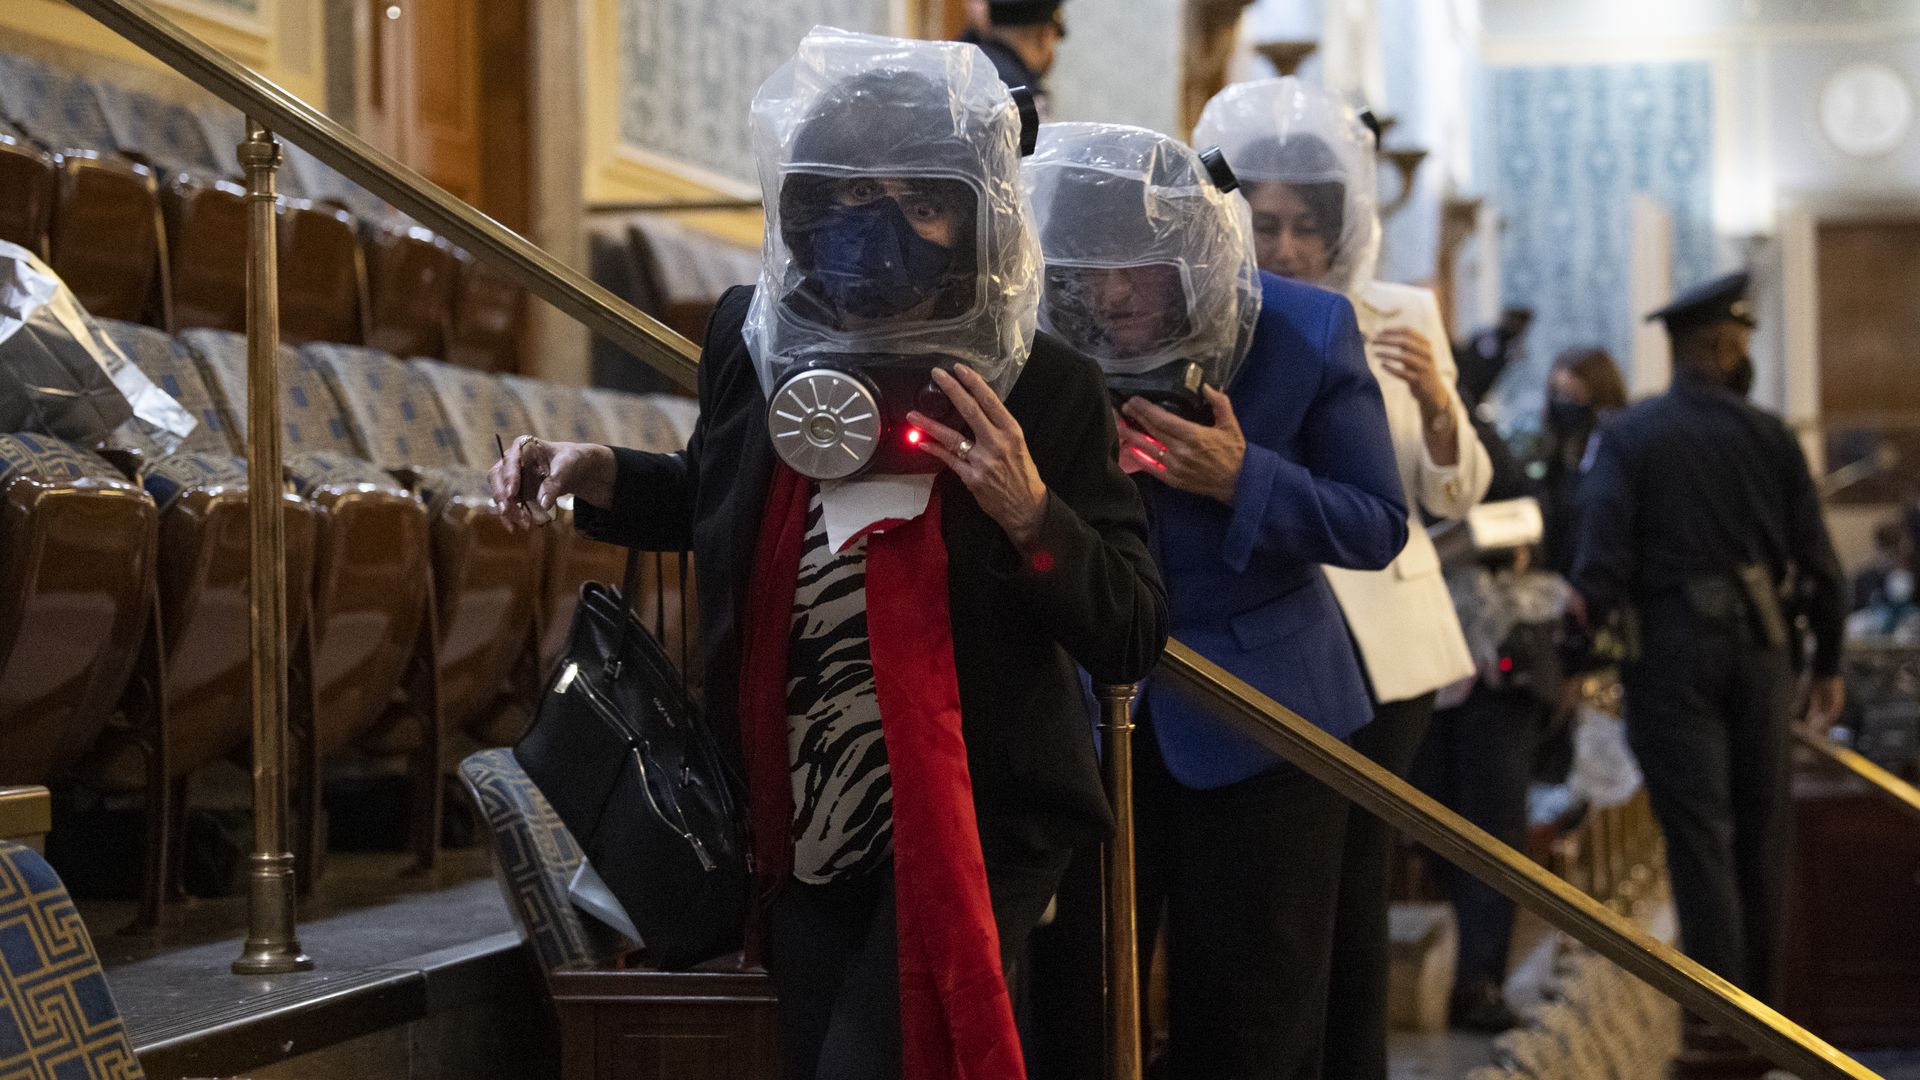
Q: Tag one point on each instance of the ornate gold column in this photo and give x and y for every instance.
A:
(272, 946)
(1122, 939)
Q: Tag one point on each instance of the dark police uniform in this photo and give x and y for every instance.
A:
(1013, 70)
(1696, 511)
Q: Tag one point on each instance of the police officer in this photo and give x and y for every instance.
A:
(1020, 37)
(1697, 512)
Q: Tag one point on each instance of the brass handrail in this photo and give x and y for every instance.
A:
(1580, 916)
(1853, 761)
(295, 121)
(1275, 727)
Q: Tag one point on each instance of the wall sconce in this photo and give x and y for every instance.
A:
(1286, 56)
(1407, 164)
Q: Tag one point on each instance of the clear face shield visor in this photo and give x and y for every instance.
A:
(1134, 320)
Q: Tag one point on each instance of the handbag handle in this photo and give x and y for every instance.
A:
(629, 586)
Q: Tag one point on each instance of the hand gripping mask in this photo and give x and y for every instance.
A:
(1149, 260)
(898, 240)
(1283, 131)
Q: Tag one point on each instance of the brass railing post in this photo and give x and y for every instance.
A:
(272, 946)
(1120, 925)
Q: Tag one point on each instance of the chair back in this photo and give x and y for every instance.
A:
(534, 859)
(60, 1019)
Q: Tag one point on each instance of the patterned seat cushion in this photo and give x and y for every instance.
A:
(534, 859)
(558, 413)
(177, 474)
(330, 470)
(441, 486)
(164, 132)
(308, 412)
(57, 1016)
(390, 410)
(634, 420)
(476, 406)
(57, 107)
(26, 455)
(171, 367)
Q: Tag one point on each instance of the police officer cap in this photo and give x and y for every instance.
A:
(1021, 12)
(1722, 299)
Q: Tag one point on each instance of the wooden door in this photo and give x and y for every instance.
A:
(1868, 276)
(446, 91)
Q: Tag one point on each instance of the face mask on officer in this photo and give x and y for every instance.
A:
(1569, 417)
(1149, 262)
(897, 243)
(1740, 375)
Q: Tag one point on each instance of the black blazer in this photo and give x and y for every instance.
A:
(1017, 631)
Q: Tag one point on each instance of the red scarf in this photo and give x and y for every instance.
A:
(955, 1017)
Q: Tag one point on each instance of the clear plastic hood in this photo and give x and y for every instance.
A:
(1149, 261)
(1305, 161)
(896, 226)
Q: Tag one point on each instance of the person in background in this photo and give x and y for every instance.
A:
(1583, 389)
(1479, 752)
(1306, 163)
(1696, 512)
(1489, 352)
(893, 657)
(1883, 595)
(1289, 466)
(1020, 37)
(1892, 555)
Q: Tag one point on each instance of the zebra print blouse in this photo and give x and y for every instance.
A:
(842, 793)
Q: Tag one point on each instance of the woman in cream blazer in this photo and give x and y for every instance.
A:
(1306, 163)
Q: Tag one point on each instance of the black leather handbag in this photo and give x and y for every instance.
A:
(619, 748)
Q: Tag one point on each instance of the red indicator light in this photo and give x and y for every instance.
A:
(1042, 561)
(1506, 663)
(914, 436)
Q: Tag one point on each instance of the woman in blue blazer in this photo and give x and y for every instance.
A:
(1294, 470)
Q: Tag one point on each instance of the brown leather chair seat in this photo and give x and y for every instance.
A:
(489, 313)
(368, 638)
(323, 275)
(207, 253)
(107, 240)
(411, 277)
(107, 237)
(26, 191)
(204, 708)
(484, 575)
(478, 407)
(77, 542)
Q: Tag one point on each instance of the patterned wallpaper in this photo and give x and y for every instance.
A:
(1571, 146)
(688, 69)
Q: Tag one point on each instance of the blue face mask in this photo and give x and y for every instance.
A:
(868, 261)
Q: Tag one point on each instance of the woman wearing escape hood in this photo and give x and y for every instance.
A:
(910, 528)
(1149, 270)
(1306, 163)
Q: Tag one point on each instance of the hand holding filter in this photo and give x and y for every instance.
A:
(522, 473)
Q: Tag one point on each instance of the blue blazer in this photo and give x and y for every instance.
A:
(1244, 586)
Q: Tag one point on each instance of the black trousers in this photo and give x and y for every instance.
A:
(1477, 761)
(1356, 1035)
(1244, 878)
(1707, 719)
(833, 952)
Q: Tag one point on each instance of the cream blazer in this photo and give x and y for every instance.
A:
(1409, 637)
